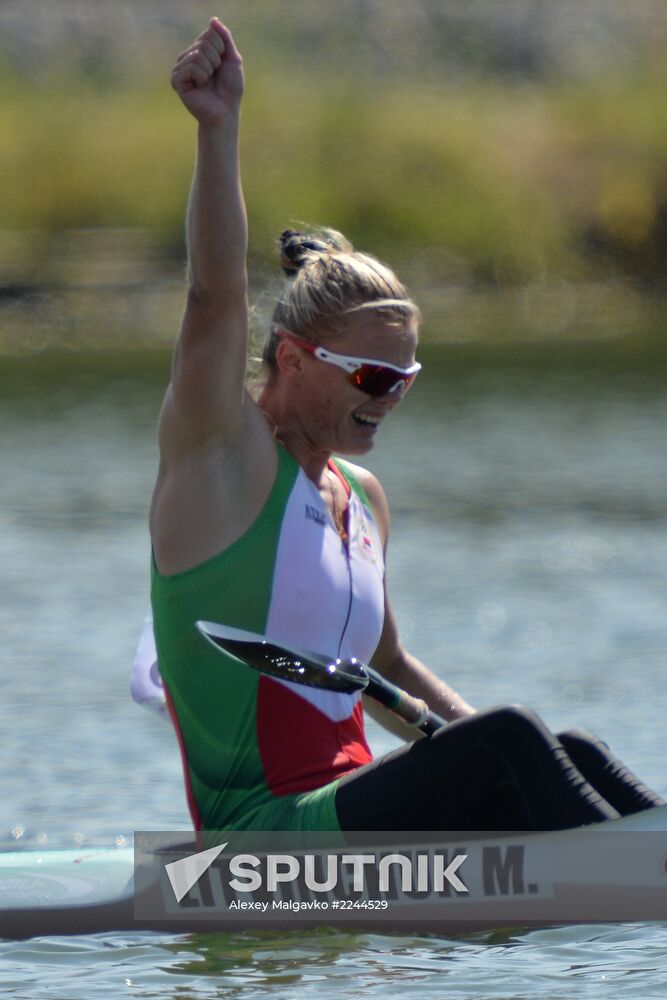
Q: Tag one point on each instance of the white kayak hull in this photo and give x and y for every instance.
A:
(609, 872)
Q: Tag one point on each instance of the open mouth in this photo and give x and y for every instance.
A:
(366, 421)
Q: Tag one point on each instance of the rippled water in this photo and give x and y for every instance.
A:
(528, 562)
(624, 961)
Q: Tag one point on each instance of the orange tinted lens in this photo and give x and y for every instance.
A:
(378, 380)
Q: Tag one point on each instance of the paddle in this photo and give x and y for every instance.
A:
(313, 670)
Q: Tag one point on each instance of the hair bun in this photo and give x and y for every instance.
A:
(297, 249)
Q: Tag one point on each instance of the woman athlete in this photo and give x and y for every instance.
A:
(256, 525)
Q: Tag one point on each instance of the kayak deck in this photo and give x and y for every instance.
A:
(608, 872)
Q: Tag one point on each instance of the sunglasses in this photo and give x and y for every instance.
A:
(375, 378)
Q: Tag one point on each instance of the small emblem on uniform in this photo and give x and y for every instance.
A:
(313, 514)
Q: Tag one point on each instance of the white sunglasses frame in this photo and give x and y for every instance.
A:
(350, 363)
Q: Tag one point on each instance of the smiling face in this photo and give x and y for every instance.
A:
(331, 413)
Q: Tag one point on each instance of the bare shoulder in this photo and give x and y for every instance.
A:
(209, 493)
(376, 495)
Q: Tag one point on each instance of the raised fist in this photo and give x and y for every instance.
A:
(208, 76)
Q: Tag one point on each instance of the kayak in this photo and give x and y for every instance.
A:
(607, 872)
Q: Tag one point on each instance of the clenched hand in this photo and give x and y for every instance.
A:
(208, 76)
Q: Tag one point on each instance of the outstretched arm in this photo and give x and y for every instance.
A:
(206, 395)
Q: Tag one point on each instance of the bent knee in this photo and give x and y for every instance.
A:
(518, 717)
(581, 738)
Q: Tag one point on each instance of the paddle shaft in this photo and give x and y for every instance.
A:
(412, 710)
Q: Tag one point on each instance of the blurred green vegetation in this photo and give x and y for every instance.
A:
(491, 181)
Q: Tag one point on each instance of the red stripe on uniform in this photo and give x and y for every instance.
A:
(189, 794)
(299, 746)
(334, 468)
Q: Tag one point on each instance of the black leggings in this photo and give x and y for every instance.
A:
(500, 769)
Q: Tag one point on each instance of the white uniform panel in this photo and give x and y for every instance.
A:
(326, 597)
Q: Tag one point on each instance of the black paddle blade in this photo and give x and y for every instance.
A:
(286, 663)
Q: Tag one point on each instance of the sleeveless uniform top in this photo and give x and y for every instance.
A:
(261, 753)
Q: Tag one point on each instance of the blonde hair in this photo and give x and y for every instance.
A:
(328, 280)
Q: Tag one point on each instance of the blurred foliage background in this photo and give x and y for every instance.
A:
(509, 159)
